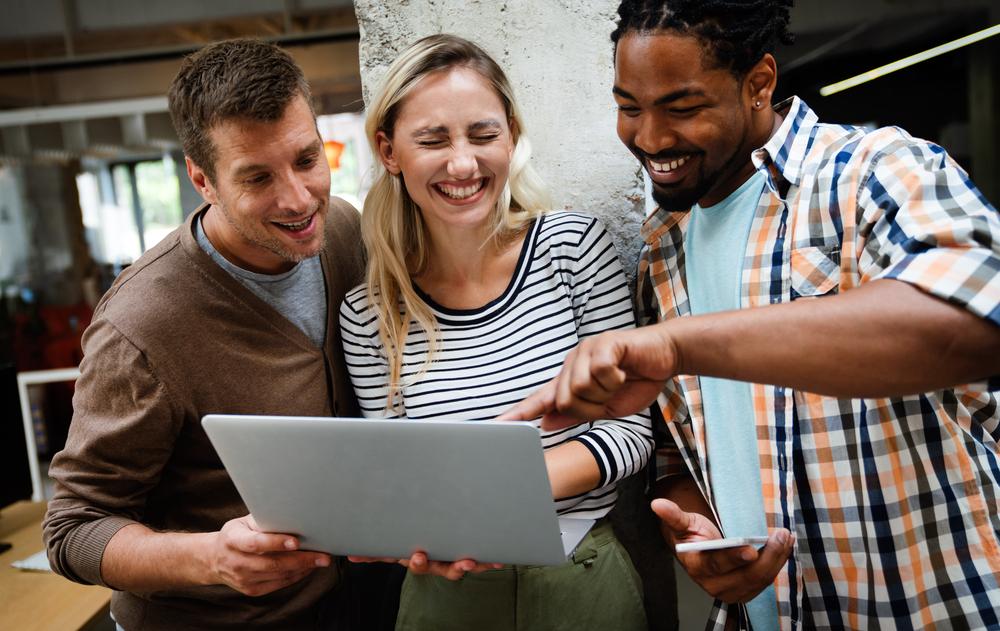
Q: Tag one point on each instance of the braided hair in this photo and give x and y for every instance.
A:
(737, 32)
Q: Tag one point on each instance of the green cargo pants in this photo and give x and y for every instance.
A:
(597, 589)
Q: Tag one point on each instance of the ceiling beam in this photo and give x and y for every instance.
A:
(168, 52)
(83, 111)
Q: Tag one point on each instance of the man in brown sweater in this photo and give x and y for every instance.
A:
(233, 312)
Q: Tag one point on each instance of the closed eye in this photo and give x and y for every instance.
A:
(685, 110)
(485, 137)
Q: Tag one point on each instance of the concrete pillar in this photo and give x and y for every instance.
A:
(558, 56)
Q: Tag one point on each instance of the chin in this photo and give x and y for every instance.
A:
(674, 202)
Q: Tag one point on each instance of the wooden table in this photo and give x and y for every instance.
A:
(40, 600)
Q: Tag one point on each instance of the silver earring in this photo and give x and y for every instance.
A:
(757, 104)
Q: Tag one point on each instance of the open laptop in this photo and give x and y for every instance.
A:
(455, 489)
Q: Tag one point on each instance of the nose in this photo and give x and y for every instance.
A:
(293, 194)
(654, 135)
(462, 162)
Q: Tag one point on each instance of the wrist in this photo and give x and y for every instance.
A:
(672, 344)
(201, 558)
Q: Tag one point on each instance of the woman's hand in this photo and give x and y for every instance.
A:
(418, 563)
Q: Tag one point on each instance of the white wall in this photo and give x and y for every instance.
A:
(558, 56)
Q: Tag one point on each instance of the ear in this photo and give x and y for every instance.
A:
(199, 179)
(760, 82)
(385, 153)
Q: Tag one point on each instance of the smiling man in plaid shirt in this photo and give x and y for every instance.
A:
(858, 272)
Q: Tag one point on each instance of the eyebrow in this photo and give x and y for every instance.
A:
(669, 97)
(240, 173)
(485, 124)
(430, 131)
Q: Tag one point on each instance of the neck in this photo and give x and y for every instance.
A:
(229, 244)
(742, 168)
(466, 269)
(458, 255)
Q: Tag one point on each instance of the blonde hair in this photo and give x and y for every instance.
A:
(391, 226)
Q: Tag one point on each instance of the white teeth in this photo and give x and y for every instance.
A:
(295, 226)
(461, 192)
(666, 167)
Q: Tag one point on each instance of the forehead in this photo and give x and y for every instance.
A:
(241, 141)
(450, 98)
(664, 61)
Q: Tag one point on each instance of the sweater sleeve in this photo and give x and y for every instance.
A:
(366, 361)
(601, 302)
(122, 434)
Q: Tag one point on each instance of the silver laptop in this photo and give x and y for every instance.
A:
(455, 489)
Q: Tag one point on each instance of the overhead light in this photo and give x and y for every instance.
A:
(906, 62)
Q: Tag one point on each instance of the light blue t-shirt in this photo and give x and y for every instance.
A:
(714, 248)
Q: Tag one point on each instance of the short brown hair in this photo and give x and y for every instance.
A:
(237, 78)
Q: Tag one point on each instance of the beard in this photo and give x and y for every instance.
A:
(710, 173)
(681, 199)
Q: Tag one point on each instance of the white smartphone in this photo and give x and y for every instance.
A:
(720, 544)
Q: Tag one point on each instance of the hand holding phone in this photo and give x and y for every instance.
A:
(719, 544)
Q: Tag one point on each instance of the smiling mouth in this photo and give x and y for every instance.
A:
(295, 227)
(461, 192)
(667, 167)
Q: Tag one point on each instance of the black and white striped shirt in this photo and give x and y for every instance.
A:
(568, 284)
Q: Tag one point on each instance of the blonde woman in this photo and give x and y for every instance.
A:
(474, 296)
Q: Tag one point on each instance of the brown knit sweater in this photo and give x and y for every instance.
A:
(175, 338)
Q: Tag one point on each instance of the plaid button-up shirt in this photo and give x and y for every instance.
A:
(895, 502)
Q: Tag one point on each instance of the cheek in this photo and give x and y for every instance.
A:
(413, 188)
(417, 171)
(502, 165)
(318, 180)
(625, 129)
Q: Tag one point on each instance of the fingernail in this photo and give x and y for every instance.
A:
(289, 544)
(782, 537)
(322, 562)
(747, 555)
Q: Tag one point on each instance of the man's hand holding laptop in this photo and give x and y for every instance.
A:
(256, 563)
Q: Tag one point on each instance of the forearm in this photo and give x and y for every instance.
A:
(572, 469)
(884, 339)
(138, 559)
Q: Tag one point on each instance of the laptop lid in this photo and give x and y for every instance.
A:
(455, 489)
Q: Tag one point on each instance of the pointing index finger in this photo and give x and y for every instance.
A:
(538, 403)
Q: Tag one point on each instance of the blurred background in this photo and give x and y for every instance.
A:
(91, 173)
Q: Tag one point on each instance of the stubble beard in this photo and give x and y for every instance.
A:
(685, 200)
(681, 200)
(260, 238)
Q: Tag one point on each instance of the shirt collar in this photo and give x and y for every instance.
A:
(786, 149)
